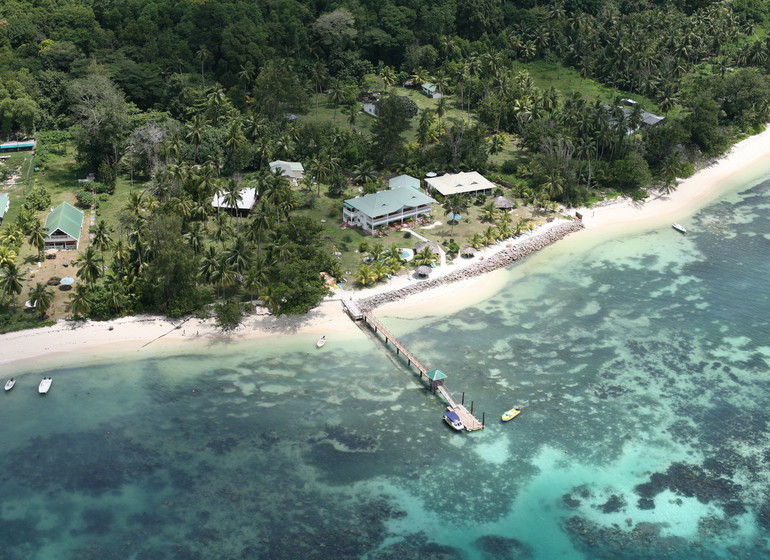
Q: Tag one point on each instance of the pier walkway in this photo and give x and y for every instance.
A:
(470, 422)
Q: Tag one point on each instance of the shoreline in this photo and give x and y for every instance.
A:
(446, 290)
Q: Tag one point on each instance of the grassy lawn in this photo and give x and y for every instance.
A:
(325, 112)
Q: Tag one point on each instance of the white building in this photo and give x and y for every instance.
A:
(245, 203)
(385, 207)
(460, 183)
(292, 169)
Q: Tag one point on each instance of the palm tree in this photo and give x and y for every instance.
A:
(238, 256)
(208, 264)
(194, 133)
(10, 282)
(37, 235)
(235, 137)
(80, 301)
(425, 257)
(365, 275)
(90, 269)
(337, 94)
(102, 239)
(7, 255)
(489, 212)
(453, 205)
(318, 75)
(260, 223)
(41, 298)
(202, 55)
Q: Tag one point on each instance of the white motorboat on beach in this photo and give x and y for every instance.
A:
(45, 384)
(9, 384)
(679, 227)
(320, 342)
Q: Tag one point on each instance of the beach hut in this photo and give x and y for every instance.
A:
(469, 252)
(503, 203)
(423, 270)
(434, 247)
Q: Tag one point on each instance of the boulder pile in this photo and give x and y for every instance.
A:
(498, 260)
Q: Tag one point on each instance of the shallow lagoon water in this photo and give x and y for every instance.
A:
(641, 363)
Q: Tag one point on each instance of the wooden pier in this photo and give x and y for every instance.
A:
(470, 422)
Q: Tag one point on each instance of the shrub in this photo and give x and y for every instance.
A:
(407, 234)
(509, 167)
(85, 199)
(102, 188)
(38, 199)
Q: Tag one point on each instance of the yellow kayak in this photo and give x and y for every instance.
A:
(510, 414)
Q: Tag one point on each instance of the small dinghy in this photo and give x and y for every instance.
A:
(679, 227)
(9, 384)
(320, 342)
(510, 414)
(45, 384)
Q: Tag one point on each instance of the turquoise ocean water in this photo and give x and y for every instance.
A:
(640, 361)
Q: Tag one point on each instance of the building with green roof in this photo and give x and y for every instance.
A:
(5, 204)
(63, 225)
(386, 207)
(404, 181)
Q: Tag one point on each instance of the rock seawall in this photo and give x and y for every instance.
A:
(498, 260)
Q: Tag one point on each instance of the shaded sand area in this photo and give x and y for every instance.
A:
(751, 156)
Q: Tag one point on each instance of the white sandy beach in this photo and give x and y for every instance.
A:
(137, 333)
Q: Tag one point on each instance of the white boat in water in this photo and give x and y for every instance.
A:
(679, 227)
(45, 384)
(320, 342)
(9, 384)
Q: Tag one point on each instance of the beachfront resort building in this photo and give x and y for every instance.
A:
(386, 207)
(63, 225)
(292, 169)
(460, 183)
(240, 208)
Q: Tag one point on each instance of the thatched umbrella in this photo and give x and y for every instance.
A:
(468, 252)
(423, 270)
(503, 203)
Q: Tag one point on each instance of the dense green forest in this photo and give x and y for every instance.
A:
(169, 102)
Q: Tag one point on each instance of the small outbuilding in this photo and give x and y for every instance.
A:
(5, 204)
(23, 146)
(503, 203)
(243, 207)
(431, 90)
(434, 247)
(63, 224)
(423, 270)
(404, 181)
(292, 169)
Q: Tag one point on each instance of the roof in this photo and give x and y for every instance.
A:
(404, 181)
(386, 202)
(503, 203)
(290, 168)
(457, 183)
(429, 86)
(436, 375)
(5, 203)
(25, 145)
(246, 202)
(434, 247)
(65, 218)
